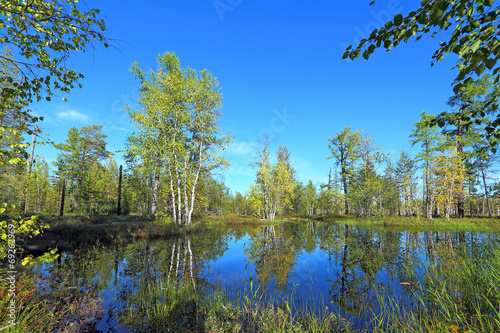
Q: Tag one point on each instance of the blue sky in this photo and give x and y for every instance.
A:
(280, 67)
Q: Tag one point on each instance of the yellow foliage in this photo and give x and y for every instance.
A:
(449, 173)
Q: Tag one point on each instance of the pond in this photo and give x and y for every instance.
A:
(353, 272)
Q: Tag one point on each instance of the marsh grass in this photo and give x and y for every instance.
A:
(174, 307)
(44, 306)
(409, 223)
(452, 292)
(230, 219)
(252, 309)
(455, 294)
(73, 232)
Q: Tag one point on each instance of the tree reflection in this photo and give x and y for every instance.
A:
(164, 290)
(363, 259)
(157, 284)
(274, 255)
(349, 288)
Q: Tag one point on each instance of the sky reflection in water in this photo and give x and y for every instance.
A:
(310, 264)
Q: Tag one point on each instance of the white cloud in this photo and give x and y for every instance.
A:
(238, 169)
(306, 171)
(299, 163)
(242, 148)
(73, 116)
(118, 128)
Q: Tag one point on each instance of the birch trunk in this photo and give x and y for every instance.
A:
(28, 174)
(486, 193)
(156, 184)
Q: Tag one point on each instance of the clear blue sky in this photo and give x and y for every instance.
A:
(280, 68)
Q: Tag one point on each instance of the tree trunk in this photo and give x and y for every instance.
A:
(39, 196)
(61, 209)
(156, 185)
(460, 149)
(428, 205)
(486, 193)
(344, 181)
(119, 203)
(30, 164)
(186, 207)
(470, 196)
(172, 194)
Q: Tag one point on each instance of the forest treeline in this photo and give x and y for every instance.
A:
(174, 158)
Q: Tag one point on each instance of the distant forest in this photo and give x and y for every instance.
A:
(174, 157)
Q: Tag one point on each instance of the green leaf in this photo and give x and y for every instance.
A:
(355, 54)
(456, 89)
(475, 45)
(436, 15)
(422, 19)
(480, 69)
(398, 19)
(490, 63)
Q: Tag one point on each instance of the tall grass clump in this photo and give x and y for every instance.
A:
(456, 293)
(45, 306)
(161, 305)
(251, 309)
(172, 305)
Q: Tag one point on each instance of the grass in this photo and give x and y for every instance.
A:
(71, 219)
(177, 307)
(251, 310)
(455, 293)
(230, 219)
(45, 306)
(396, 223)
(72, 232)
(423, 224)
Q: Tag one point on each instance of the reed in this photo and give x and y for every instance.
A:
(44, 306)
(422, 224)
(455, 294)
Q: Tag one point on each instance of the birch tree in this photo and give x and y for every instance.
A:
(275, 183)
(178, 123)
(283, 182)
(310, 197)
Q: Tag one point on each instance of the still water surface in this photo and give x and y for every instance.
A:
(313, 265)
